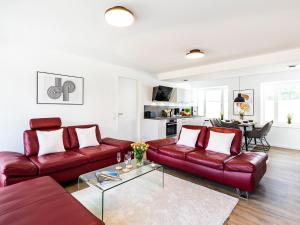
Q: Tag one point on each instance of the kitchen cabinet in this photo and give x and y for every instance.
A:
(182, 96)
(153, 129)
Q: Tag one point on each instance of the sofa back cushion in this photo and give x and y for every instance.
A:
(236, 142)
(73, 135)
(31, 143)
(201, 138)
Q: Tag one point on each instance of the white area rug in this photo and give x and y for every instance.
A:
(143, 201)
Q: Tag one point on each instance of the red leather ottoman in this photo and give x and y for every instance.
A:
(15, 167)
(42, 201)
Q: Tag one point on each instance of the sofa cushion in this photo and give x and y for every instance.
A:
(16, 164)
(247, 162)
(41, 201)
(156, 144)
(121, 144)
(208, 158)
(236, 142)
(51, 163)
(188, 137)
(99, 152)
(50, 141)
(31, 143)
(73, 135)
(176, 151)
(220, 142)
(201, 138)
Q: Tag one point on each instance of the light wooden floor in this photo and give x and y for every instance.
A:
(276, 200)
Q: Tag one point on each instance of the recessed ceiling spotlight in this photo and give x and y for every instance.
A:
(293, 66)
(195, 54)
(119, 16)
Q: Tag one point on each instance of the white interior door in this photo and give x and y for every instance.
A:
(127, 109)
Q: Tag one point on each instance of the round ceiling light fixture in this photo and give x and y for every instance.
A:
(119, 16)
(195, 54)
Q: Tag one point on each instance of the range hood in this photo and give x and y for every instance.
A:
(162, 93)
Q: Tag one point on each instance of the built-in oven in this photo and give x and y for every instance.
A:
(171, 128)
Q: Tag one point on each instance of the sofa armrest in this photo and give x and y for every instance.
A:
(122, 144)
(16, 164)
(248, 162)
(156, 144)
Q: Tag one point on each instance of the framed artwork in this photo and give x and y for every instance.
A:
(248, 106)
(59, 89)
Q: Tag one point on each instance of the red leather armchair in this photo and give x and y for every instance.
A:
(239, 170)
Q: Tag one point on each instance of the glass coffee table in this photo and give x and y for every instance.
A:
(90, 179)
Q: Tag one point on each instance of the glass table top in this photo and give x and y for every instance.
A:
(132, 173)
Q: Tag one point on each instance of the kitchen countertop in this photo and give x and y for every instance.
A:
(172, 118)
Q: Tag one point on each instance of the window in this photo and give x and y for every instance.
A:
(213, 101)
(279, 100)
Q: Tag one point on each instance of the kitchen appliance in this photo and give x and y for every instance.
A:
(162, 93)
(149, 114)
(171, 128)
(176, 111)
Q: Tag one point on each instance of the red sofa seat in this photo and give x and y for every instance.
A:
(54, 162)
(176, 151)
(42, 201)
(99, 152)
(208, 158)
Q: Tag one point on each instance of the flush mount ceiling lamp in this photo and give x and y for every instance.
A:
(195, 54)
(119, 16)
(239, 98)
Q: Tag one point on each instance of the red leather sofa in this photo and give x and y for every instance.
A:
(42, 201)
(240, 170)
(62, 166)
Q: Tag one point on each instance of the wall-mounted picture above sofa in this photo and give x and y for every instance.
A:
(246, 107)
(59, 89)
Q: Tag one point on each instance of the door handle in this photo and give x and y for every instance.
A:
(120, 114)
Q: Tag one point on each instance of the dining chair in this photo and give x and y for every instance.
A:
(215, 122)
(259, 134)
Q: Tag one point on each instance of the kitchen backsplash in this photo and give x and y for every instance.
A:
(158, 109)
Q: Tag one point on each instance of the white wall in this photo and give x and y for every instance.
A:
(18, 69)
(279, 136)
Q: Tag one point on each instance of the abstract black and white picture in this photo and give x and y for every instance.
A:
(59, 89)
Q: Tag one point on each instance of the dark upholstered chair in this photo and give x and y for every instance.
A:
(215, 122)
(259, 135)
(230, 125)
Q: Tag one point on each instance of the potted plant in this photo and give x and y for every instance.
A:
(222, 116)
(242, 114)
(139, 148)
(289, 118)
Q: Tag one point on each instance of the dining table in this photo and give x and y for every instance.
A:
(244, 126)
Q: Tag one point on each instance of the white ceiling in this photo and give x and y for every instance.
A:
(163, 32)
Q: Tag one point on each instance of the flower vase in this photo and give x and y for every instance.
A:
(139, 158)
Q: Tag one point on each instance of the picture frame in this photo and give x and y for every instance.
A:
(53, 88)
(247, 106)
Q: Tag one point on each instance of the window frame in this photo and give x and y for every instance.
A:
(276, 109)
(205, 90)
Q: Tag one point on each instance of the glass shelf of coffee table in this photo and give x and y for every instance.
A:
(90, 179)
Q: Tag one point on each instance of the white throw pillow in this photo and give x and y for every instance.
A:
(220, 142)
(50, 141)
(188, 137)
(87, 137)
